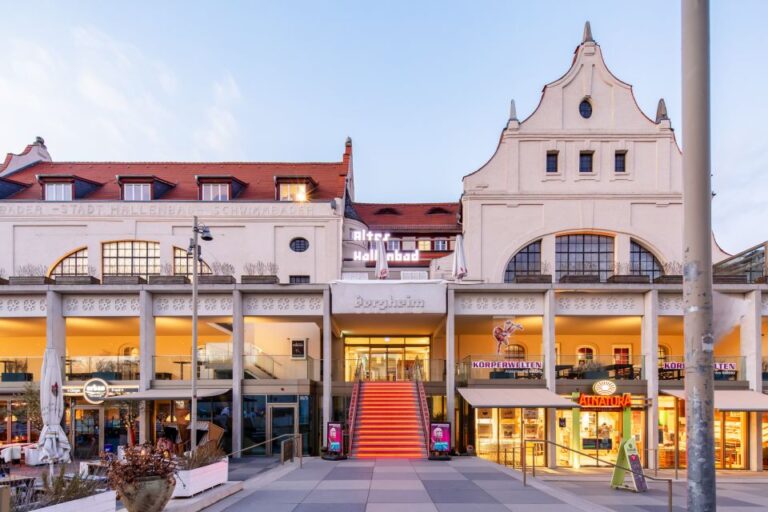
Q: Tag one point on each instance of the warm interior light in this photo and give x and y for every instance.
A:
(301, 195)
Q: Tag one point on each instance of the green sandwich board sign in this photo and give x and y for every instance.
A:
(629, 458)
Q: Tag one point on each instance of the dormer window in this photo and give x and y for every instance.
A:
(137, 192)
(142, 188)
(219, 188)
(294, 188)
(438, 210)
(387, 211)
(58, 191)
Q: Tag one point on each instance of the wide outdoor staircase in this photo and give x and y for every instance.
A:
(388, 422)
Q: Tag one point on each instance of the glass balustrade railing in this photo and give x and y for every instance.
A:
(109, 368)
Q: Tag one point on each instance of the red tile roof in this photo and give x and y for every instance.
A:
(410, 217)
(259, 177)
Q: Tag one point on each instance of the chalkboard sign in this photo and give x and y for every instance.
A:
(629, 458)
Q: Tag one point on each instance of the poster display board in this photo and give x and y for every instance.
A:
(440, 437)
(629, 458)
(335, 437)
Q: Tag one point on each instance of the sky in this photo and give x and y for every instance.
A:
(423, 88)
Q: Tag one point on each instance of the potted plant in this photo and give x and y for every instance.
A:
(143, 478)
(167, 277)
(223, 273)
(78, 280)
(30, 275)
(65, 493)
(200, 470)
(106, 369)
(18, 372)
(260, 273)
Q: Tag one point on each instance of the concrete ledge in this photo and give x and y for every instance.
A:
(202, 500)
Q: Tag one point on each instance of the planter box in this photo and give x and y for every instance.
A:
(629, 279)
(195, 481)
(217, 279)
(534, 279)
(29, 280)
(729, 279)
(102, 502)
(580, 278)
(168, 280)
(759, 280)
(123, 280)
(259, 279)
(671, 279)
(74, 280)
(16, 377)
(3, 280)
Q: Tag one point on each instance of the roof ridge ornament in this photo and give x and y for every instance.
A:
(587, 38)
(512, 111)
(661, 111)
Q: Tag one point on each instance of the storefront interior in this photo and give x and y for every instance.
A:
(103, 347)
(22, 349)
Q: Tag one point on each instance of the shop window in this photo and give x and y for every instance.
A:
(643, 262)
(526, 262)
(131, 258)
(584, 255)
(74, 264)
(182, 264)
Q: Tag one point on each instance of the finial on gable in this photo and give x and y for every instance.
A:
(661, 111)
(587, 34)
(512, 111)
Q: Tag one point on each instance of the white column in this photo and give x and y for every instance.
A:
(147, 350)
(327, 377)
(751, 348)
(450, 366)
(238, 341)
(55, 326)
(550, 373)
(650, 352)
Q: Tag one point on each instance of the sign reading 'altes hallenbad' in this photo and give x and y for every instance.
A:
(371, 254)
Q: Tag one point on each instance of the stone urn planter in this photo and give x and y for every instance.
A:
(147, 494)
(259, 279)
(210, 279)
(101, 502)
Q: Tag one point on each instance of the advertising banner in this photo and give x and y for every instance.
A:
(335, 437)
(440, 437)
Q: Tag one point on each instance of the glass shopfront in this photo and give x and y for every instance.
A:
(387, 358)
(500, 432)
(15, 424)
(269, 416)
(731, 436)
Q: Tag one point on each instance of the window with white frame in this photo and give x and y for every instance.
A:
(137, 191)
(58, 191)
(293, 191)
(393, 245)
(441, 245)
(215, 191)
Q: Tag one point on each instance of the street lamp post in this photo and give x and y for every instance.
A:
(198, 231)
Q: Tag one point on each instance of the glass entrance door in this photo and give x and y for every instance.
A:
(600, 433)
(283, 419)
(87, 432)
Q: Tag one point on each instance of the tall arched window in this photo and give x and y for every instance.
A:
(73, 264)
(663, 354)
(585, 353)
(526, 262)
(584, 255)
(182, 263)
(643, 262)
(131, 258)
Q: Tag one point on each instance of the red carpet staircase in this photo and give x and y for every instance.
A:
(388, 422)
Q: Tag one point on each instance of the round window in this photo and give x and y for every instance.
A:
(299, 244)
(585, 109)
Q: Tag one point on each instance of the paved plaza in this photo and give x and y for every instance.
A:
(461, 485)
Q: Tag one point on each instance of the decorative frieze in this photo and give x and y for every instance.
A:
(21, 306)
(499, 304)
(101, 305)
(282, 305)
(181, 305)
(584, 304)
(670, 304)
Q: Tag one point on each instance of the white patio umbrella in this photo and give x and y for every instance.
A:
(53, 443)
(382, 268)
(459, 261)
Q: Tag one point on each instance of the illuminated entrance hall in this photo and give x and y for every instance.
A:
(385, 358)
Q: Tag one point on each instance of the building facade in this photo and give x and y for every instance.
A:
(573, 241)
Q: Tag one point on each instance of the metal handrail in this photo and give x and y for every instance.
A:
(291, 436)
(547, 441)
(422, 402)
(352, 418)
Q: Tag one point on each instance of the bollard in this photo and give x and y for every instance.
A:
(669, 491)
(525, 472)
(5, 499)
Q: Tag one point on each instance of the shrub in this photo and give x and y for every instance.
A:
(141, 461)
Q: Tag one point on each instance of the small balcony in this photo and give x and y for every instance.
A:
(20, 369)
(726, 368)
(109, 368)
(496, 366)
(599, 367)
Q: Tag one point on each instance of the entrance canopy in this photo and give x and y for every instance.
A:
(169, 394)
(731, 399)
(524, 397)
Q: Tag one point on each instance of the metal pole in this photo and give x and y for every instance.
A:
(525, 473)
(697, 250)
(193, 413)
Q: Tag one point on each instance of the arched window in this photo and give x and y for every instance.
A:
(73, 264)
(526, 262)
(584, 255)
(516, 352)
(585, 354)
(130, 258)
(182, 263)
(663, 354)
(643, 262)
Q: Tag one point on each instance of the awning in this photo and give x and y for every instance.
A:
(169, 394)
(731, 399)
(509, 397)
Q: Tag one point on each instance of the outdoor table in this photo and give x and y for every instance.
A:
(6, 363)
(181, 367)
